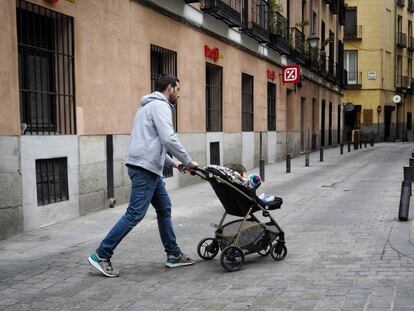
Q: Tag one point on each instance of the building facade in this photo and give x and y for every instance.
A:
(72, 73)
(378, 59)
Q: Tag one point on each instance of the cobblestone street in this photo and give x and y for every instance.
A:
(346, 251)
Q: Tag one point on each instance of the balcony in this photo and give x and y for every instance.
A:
(299, 46)
(322, 64)
(410, 6)
(256, 20)
(340, 75)
(353, 80)
(401, 40)
(410, 46)
(402, 83)
(353, 32)
(401, 3)
(229, 11)
(192, 1)
(279, 33)
(312, 59)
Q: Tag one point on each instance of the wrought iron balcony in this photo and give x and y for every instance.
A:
(401, 3)
(401, 40)
(353, 80)
(299, 46)
(331, 69)
(341, 12)
(340, 75)
(410, 6)
(353, 32)
(192, 1)
(410, 46)
(313, 59)
(229, 11)
(256, 20)
(402, 83)
(322, 64)
(279, 33)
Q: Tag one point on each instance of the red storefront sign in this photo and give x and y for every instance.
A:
(213, 53)
(271, 75)
(291, 74)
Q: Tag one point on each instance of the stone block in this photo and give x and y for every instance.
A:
(11, 221)
(92, 202)
(92, 149)
(9, 155)
(10, 190)
(92, 177)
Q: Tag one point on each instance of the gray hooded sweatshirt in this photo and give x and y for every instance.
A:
(153, 135)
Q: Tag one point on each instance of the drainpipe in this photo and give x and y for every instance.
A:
(395, 63)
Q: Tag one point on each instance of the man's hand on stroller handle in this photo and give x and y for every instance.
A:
(184, 168)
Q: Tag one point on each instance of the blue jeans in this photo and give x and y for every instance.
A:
(146, 188)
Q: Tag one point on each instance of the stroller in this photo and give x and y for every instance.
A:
(243, 236)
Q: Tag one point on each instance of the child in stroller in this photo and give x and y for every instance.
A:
(247, 234)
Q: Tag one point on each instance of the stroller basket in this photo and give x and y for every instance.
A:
(251, 236)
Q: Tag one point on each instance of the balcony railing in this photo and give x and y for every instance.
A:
(299, 46)
(340, 75)
(192, 1)
(341, 12)
(401, 3)
(402, 83)
(312, 59)
(322, 64)
(256, 20)
(331, 69)
(410, 46)
(353, 32)
(229, 11)
(410, 6)
(353, 79)
(401, 40)
(279, 33)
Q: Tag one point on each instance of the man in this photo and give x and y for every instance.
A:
(151, 137)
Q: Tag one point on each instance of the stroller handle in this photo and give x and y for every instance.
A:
(200, 172)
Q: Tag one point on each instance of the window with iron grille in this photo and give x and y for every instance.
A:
(409, 121)
(164, 61)
(215, 153)
(271, 106)
(46, 70)
(214, 98)
(247, 103)
(52, 180)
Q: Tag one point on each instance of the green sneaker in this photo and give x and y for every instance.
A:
(102, 265)
(178, 261)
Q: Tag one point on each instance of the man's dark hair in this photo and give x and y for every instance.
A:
(237, 167)
(164, 81)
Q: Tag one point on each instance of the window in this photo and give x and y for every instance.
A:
(351, 22)
(409, 121)
(52, 180)
(368, 117)
(271, 106)
(163, 61)
(46, 70)
(314, 21)
(247, 103)
(215, 153)
(351, 66)
(214, 98)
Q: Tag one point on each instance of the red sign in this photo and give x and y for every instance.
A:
(379, 108)
(271, 74)
(213, 54)
(291, 74)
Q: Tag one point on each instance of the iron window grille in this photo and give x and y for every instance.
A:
(271, 106)
(247, 103)
(164, 61)
(52, 180)
(214, 98)
(215, 153)
(46, 70)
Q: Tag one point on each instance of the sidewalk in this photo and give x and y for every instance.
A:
(345, 249)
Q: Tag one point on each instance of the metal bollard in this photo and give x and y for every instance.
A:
(372, 142)
(288, 156)
(321, 154)
(411, 162)
(412, 155)
(404, 201)
(341, 148)
(307, 159)
(365, 142)
(349, 146)
(360, 144)
(262, 169)
(355, 144)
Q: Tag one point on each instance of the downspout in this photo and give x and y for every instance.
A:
(395, 63)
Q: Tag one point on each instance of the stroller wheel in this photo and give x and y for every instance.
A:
(279, 251)
(232, 258)
(208, 248)
(267, 247)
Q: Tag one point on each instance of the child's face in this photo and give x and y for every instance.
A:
(244, 175)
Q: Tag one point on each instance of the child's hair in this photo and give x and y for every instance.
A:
(237, 167)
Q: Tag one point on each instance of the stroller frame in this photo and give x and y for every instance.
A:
(233, 252)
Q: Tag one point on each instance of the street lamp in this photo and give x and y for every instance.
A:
(313, 40)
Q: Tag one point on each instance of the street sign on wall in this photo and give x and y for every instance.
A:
(291, 74)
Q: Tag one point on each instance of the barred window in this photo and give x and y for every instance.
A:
(271, 106)
(215, 153)
(163, 61)
(52, 180)
(46, 70)
(247, 103)
(214, 98)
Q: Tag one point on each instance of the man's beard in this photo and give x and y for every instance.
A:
(172, 100)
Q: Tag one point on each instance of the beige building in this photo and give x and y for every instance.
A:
(72, 73)
(378, 59)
